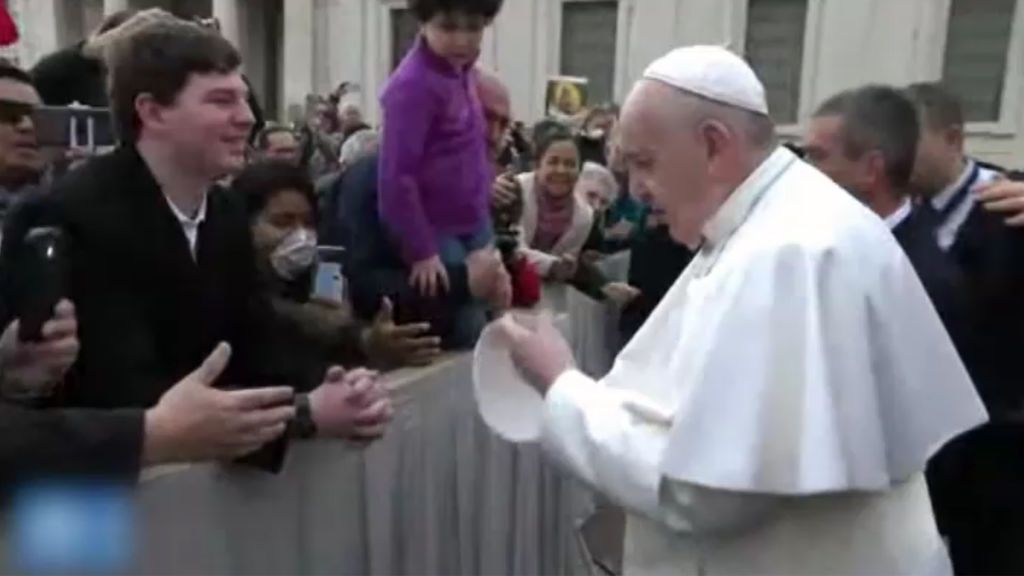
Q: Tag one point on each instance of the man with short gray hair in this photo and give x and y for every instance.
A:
(865, 139)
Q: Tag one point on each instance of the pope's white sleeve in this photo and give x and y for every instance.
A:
(590, 428)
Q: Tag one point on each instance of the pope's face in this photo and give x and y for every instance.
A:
(670, 163)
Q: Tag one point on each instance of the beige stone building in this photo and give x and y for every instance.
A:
(805, 50)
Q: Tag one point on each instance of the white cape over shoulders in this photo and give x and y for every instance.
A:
(799, 354)
(799, 358)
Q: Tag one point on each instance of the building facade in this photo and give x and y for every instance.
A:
(804, 50)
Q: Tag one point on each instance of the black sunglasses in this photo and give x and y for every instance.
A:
(13, 112)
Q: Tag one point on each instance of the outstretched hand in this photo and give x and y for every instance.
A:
(389, 344)
(194, 421)
(539, 351)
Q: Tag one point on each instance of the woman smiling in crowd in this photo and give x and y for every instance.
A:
(556, 222)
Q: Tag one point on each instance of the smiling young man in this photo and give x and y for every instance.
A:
(162, 265)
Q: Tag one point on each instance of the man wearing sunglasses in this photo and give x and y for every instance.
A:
(21, 163)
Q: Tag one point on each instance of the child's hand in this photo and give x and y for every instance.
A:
(429, 277)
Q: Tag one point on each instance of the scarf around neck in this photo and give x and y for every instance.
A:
(554, 217)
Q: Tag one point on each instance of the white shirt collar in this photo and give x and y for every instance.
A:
(734, 211)
(189, 225)
(896, 218)
(942, 199)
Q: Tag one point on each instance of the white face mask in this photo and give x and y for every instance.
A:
(295, 254)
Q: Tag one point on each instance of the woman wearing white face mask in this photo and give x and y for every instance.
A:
(295, 254)
(282, 211)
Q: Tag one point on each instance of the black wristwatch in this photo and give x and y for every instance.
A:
(304, 425)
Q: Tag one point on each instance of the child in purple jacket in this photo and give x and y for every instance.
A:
(435, 175)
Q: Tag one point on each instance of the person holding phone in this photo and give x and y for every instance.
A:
(192, 421)
(281, 204)
(31, 370)
(162, 264)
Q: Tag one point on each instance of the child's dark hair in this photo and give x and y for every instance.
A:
(260, 182)
(425, 10)
(549, 136)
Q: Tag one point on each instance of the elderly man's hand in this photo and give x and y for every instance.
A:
(387, 344)
(1005, 197)
(33, 369)
(488, 279)
(539, 351)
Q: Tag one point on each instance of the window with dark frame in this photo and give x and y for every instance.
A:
(404, 28)
(775, 50)
(588, 43)
(977, 49)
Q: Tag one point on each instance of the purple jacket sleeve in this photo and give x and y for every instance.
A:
(408, 114)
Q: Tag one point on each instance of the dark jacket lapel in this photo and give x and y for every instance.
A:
(162, 237)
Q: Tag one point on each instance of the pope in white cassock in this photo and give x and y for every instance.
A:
(775, 413)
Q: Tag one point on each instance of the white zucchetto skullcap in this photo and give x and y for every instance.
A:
(712, 72)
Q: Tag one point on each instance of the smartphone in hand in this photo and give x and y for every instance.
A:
(41, 277)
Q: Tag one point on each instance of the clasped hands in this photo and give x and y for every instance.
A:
(195, 421)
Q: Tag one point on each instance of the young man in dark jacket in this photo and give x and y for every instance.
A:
(162, 268)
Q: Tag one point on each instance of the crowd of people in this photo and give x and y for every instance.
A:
(192, 248)
(190, 329)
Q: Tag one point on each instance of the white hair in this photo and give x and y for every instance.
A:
(357, 146)
(603, 177)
